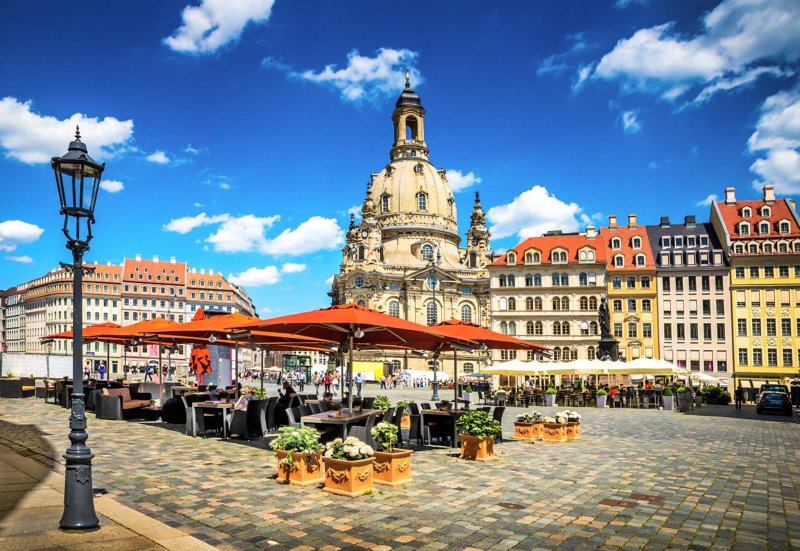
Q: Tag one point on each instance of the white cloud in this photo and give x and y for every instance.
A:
(292, 268)
(368, 78)
(329, 281)
(159, 158)
(622, 4)
(355, 210)
(224, 185)
(188, 223)
(708, 200)
(737, 35)
(112, 186)
(459, 181)
(197, 204)
(315, 234)
(266, 310)
(778, 135)
(630, 122)
(581, 76)
(532, 213)
(215, 23)
(256, 277)
(22, 259)
(33, 138)
(17, 232)
(194, 150)
(242, 234)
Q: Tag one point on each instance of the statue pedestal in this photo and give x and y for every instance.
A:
(608, 348)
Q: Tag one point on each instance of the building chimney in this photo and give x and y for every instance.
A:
(769, 194)
(612, 221)
(791, 204)
(730, 195)
(172, 260)
(591, 232)
(155, 258)
(138, 257)
(211, 272)
(202, 271)
(631, 220)
(664, 222)
(690, 221)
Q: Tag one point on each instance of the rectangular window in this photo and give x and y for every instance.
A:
(692, 283)
(786, 327)
(755, 297)
(707, 331)
(647, 331)
(630, 282)
(616, 282)
(681, 331)
(754, 272)
(665, 283)
(706, 307)
(667, 332)
(631, 305)
(679, 241)
(783, 271)
(705, 283)
(704, 241)
(665, 242)
(739, 272)
(756, 327)
(693, 331)
(769, 297)
(743, 356)
(786, 297)
(771, 327)
(741, 327)
(667, 308)
(679, 308)
(741, 298)
(690, 241)
(758, 359)
(679, 284)
(720, 307)
(772, 357)
(769, 271)
(692, 307)
(618, 330)
(787, 357)
(718, 284)
(632, 330)
(645, 282)
(720, 331)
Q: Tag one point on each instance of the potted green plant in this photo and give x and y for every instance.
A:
(477, 431)
(668, 399)
(602, 396)
(684, 395)
(468, 393)
(405, 421)
(299, 455)
(382, 403)
(392, 466)
(550, 396)
(528, 426)
(348, 467)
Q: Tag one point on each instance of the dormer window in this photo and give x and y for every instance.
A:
(665, 242)
(744, 228)
(765, 212)
(559, 256)
(422, 201)
(640, 259)
(763, 228)
(619, 260)
(636, 242)
(679, 241)
(532, 257)
(739, 249)
(704, 241)
(767, 247)
(616, 243)
(691, 241)
(746, 212)
(783, 227)
(511, 258)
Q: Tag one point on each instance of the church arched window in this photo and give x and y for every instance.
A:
(512, 303)
(466, 313)
(432, 311)
(512, 328)
(473, 260)
(385, 203)
(394, 309)
(427, 252)
(422, 201)
(529, 303)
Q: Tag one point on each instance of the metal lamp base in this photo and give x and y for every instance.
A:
(78, 493)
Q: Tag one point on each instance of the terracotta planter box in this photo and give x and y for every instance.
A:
(405, 421)
(392, 468)
(348, 478)
(554, 432)
(477, 448)
(538, 429)
(573, 431)
(525, 431)
(305, 470)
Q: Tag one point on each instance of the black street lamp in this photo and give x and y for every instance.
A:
(433, 282)
(78, 181)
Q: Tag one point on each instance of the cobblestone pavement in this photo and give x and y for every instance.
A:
(637, 479)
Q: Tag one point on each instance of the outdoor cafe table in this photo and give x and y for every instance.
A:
(212, 405)
(452, 415)
(344, 419)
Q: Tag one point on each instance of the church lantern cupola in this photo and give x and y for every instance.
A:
(409, 125)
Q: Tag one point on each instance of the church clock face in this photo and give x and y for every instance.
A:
(364, 233)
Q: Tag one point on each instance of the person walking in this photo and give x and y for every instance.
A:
(301, 381)
(315, 380)
(102, 370)
(148, 373)
(358, 381)
(335, 384)
(739, 396)
(328, 380)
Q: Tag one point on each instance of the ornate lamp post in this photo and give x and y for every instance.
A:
(433, 282)
(78, 181)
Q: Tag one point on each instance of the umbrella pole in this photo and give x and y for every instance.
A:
(236, 369)
(108, 361)
(350, 374)
(455, 379)
(160, 379)
(263, 352)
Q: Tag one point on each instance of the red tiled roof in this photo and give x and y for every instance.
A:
(779, 211)
(154, 268)
(626, 235)
(545, 245)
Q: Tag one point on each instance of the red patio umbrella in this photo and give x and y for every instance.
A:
(200, 360)
(354, 326)
(486, 339)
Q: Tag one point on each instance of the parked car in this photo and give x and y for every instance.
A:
(773, 388)
(774, 401)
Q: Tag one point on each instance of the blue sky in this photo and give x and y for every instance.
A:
(237, 135)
